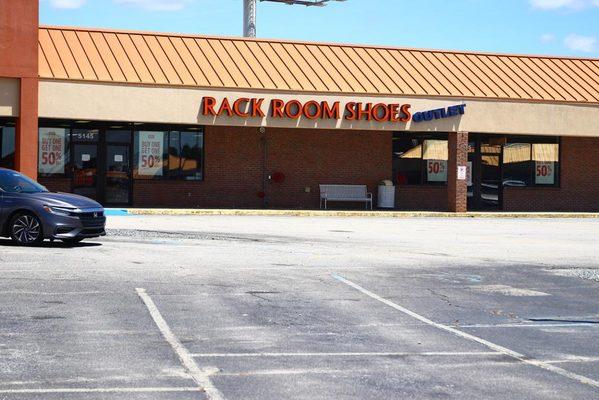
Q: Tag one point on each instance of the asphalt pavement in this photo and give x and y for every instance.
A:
(258, 307)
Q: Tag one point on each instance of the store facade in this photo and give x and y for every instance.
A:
(160, 120)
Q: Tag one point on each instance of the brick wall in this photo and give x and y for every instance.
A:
(308, 158)
(421, 198)
(579, 187)
(457, 200)
(235, 161)
(233, 175)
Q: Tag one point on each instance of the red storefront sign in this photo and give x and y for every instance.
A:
(294, 109)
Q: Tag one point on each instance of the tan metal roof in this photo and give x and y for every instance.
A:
(236, 63)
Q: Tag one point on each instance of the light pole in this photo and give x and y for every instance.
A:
(249, 18)
(249, 12)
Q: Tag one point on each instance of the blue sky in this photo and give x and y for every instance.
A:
(559, 27)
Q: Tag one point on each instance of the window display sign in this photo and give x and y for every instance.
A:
(436, 170)
(52, 150)
(544, 173)
(151, 147)
(462, 172)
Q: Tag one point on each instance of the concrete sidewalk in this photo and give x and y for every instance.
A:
(345, 213)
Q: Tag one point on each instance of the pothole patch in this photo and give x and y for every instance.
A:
(508, 291)
(591, 274)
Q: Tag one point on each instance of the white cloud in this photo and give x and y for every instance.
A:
(585, 44)
(68, 4)
(557, 4)
(156, 5)
(547, 38)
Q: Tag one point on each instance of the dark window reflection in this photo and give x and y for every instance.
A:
(419, 159)
(7, 146)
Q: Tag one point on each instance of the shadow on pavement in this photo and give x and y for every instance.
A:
(56, 244)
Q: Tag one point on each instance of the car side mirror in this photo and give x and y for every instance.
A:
(18, 189)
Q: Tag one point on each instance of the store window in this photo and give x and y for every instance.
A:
(53, 151)
(151, 157)
(192, 145)
(419, 159)
(174, 154)
(530, 162)
(516, 164)
(7, 144)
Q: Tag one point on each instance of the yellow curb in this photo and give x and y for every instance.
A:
(345, 213)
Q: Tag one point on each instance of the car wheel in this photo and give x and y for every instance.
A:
(26, 230)
(72, 241)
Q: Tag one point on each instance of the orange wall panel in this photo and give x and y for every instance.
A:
(18, 38)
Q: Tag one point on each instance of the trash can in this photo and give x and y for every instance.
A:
(386, 197)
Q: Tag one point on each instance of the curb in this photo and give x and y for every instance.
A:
(343, 213)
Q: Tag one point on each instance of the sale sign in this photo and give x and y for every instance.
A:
(52, 144)
(151, 147)
(544, 172)
(436, 170)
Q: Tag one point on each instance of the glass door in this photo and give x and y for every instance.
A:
(117, 185)
(85, 164)
(85, 169)
(485, 188)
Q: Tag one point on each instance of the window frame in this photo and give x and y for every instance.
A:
(528, 139)
(132, 128)
(168, 129)
(421, 137)
(8, 123)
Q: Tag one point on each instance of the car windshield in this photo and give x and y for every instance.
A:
(13, 182)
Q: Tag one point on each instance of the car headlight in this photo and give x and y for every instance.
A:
(64, 211)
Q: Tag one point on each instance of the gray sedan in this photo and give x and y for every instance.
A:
(29, 213)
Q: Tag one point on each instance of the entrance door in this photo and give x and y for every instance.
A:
(117, 185)
(101, 165)
(85, 169)
(485, 190)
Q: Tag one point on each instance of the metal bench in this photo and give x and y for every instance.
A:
(353, 193)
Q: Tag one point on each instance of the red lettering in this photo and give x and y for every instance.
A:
(328, 112)
(393, 112)
(376, 112)
(225, 107)
(257, 108)
(350, 111)
(237, 107)
(312, 110)
(289, 109)
(406, 114)
(367, 111)
(208, 104)
(276, 107)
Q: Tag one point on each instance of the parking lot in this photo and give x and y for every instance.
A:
(250, 307)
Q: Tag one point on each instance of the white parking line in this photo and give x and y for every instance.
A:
(349, 354)
(102, 390)
(511, 353)
(575, 360)
(201, 376)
